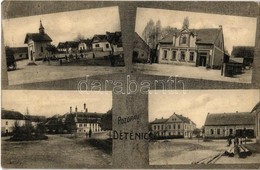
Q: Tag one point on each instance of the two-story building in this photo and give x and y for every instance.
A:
(194, 47)
(175, 125)
(37, 43)
(256, 112)
(9, 119)
(222, 125)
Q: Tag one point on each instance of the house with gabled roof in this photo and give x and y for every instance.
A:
(256, 112)
(141, 52)
(176, 125)
(221, 125)
(37, 43)
(194, 47)
(8, 120)
(84, 45)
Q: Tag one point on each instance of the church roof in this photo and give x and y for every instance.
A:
(204, 36)
(10, 114)
(238, 118)
(37, 37)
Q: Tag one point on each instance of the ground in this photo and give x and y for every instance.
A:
(43, 72)
(190, 72)
(186, 151)
(56, 152)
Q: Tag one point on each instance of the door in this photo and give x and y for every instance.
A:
(202, 59)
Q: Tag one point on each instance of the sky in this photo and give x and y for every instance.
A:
(52, 102)
(63, 26)
(196, 104)
(238, 31)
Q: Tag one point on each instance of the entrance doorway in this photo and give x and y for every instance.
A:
(202, 58)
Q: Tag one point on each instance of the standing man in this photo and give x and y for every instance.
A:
(89, 133)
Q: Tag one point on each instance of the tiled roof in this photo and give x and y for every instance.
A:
(157, 121)
(10, 114)
(184, 119)
(19, 49)
(204, 36)
(99, 38)
(35, 118)
(37, 37)
(238, 118)
(257, 106)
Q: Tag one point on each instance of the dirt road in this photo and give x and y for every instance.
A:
(56, 152)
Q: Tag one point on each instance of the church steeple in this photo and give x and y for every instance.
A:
(41, 28)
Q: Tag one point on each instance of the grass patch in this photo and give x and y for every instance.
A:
(102, 144)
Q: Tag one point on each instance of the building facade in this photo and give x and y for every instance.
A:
(8, 120)
(256, 111)
(194, 47)
(37, 43)
(222, 125)
(141, 52)
(175, 125)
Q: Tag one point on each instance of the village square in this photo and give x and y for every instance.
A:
(220, 137)
(65, 137)
(40, 51)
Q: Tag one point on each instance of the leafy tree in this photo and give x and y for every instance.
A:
(168, 30)
(106, 121)
(51, 48)
(245, 52)
(197, 131)
(186, 23)
(79, 37)
(70, 124)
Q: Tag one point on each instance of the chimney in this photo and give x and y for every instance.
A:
(76, 109)
(236, 111)
(162, 117)
(220, 26)
(86, 110)
(84, 106)
(70, 109)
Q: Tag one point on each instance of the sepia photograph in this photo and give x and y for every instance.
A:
(63, 45)
(194, 45)
(204, 127)
(55, 129)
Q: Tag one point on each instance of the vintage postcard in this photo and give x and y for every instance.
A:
(55, 129)
(194, 45)
(63, 45)
(204, 127)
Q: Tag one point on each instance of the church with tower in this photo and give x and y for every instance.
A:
(37, 43)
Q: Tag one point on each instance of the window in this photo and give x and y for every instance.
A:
(170, 126)
(154, 127)
(218, 131)
(165, 55)
(6, 123)
(191, 56)
(162, 127)
(173, 55)
(158, 127)
(211, 131)
(97, 45)
(170, 134)
(179, 126)
(184, 40)
(107, 45)
(41, 49)
(183, 55)
(179, 133)
(173, 126)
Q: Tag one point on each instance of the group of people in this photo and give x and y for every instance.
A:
(236, 141)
